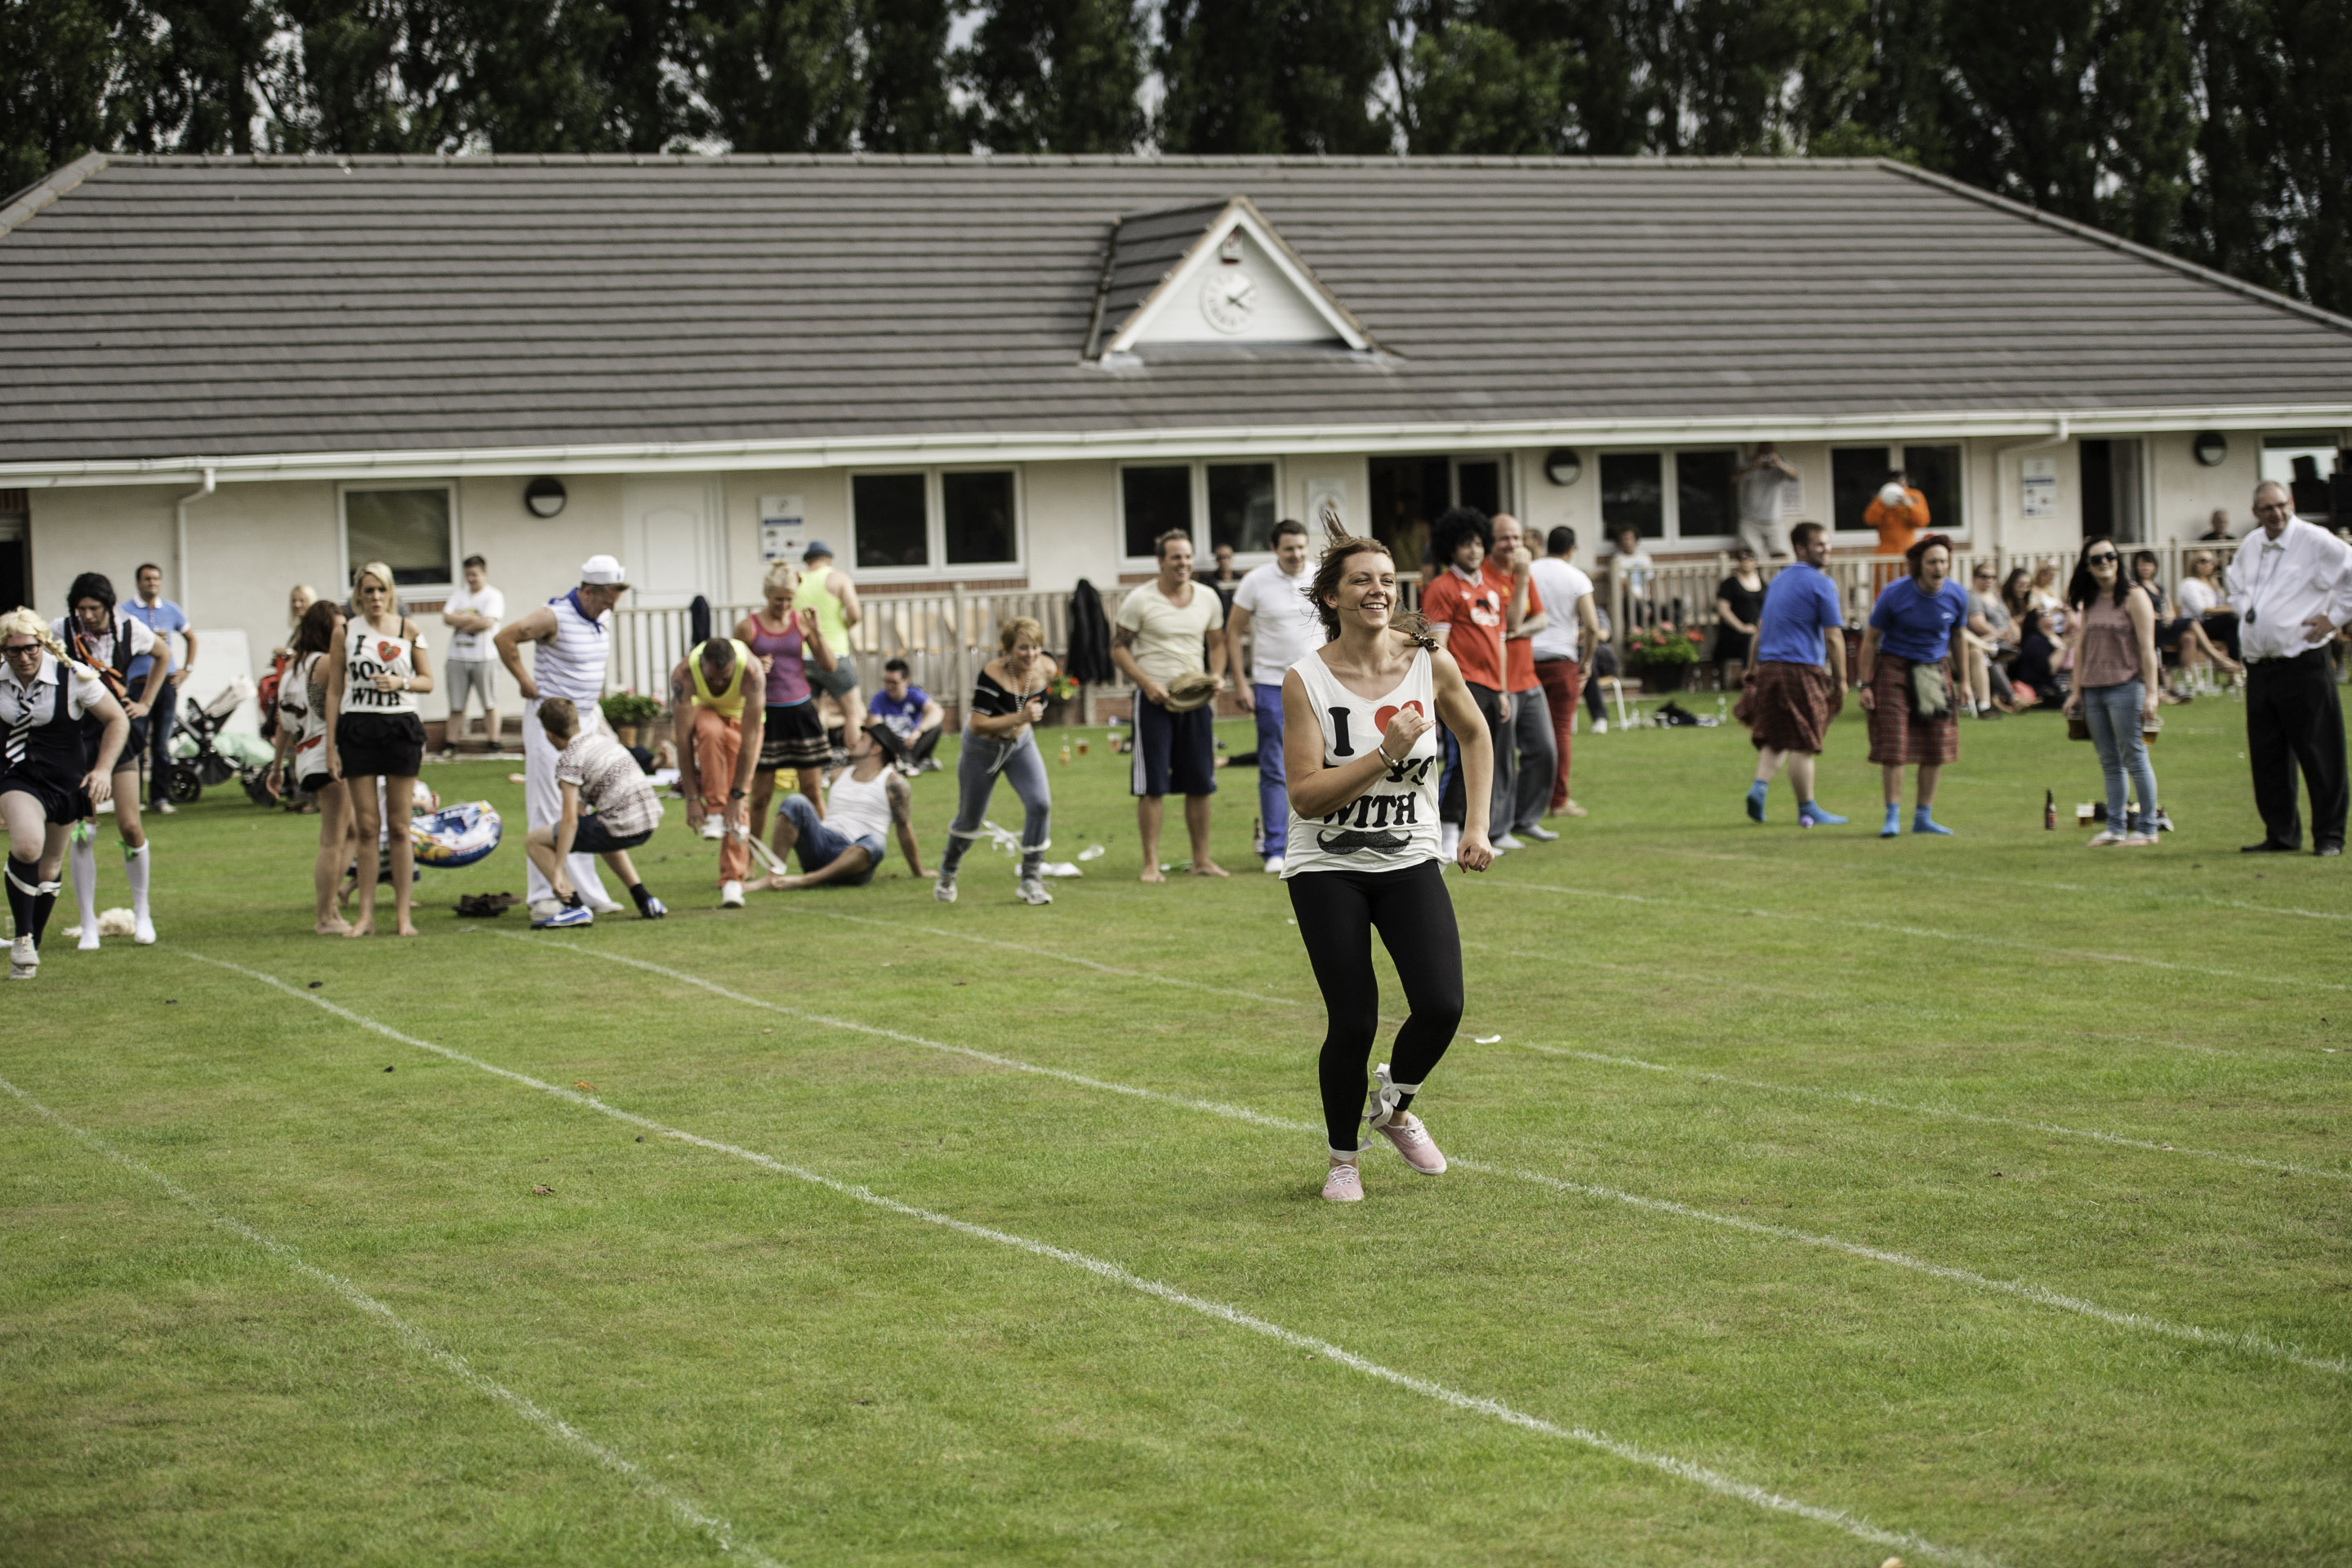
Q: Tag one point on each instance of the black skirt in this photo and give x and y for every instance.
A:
(380, 745)
(792, 736)
(63, 800)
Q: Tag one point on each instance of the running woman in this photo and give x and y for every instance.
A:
(792, 735)
(1361, 855)
(303, 757)
(373, 732)
(1006, 701)
(49, 780)
(97, 636)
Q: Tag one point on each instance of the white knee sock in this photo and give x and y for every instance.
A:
(82, 854)
(135, 863)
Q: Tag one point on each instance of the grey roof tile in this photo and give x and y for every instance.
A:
(161, 308)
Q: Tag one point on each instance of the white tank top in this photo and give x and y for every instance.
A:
(857, 810)
(308, 724)
(368, 653)
(572, 663)
(1394, 824)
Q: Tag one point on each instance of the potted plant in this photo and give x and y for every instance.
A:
(1663, 655)
(626, 711)
(1060, 692)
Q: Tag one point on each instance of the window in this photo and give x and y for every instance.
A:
(2306, 464)
(1479, 484)
(1857, 474)
(1156, 501)
(976, 510)
(1633, 494)
(1935, 472)
(1703, 493)
(407, 530)
(1241, 506)
(891, 528)
(929, 520)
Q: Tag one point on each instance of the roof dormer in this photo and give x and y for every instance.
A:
(1209, 276)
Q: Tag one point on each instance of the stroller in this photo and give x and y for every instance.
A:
(209, 755)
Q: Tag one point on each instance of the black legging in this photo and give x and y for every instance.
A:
(1338, 911)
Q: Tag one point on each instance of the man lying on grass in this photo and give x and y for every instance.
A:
(845, 847)
(622, 813)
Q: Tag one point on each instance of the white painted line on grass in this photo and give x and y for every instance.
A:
(687, 1513)
(1681, 1468)
(1085, 963)
(1873, 1101)
(2253, 1343)
(1808, 917)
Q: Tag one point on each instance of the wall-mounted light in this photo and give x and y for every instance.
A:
(544, 496)
(1562, 466)
(2212, 448)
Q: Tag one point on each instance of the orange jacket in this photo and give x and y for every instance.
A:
(1898, 526)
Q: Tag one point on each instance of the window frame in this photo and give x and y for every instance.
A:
(345, 489)
(1892, 451)
(936, 568)
(1204, 560)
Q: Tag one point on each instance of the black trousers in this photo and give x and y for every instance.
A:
(2294, 722)
(1338, 913)
(1452, 804)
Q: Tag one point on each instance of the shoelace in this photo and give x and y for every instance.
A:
(1407, 1132)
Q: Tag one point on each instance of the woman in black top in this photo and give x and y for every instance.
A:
(1739, 606)
(1009, 698)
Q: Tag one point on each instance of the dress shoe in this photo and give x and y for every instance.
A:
(2267, 848)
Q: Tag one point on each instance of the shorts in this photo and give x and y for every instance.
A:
(1175, 754)
(592, 838)
(837, 683)
(471, 675)
(792, 736)
(62, 803)
(380, 745)
(311, 783)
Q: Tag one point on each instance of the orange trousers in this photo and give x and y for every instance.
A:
(717, 747)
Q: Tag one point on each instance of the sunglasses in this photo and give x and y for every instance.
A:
(2107, 560)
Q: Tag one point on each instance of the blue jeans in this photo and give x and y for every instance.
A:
(1023, 767)
(1273, 785)
(2114, 713)
(819, 846)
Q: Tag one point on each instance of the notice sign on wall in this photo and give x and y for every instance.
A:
(1327, 503)
(783, 528)
(2039, 478)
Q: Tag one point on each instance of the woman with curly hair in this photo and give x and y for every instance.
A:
(1907, 654)
(1359, 748)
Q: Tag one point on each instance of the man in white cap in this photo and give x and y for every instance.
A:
(575, 644)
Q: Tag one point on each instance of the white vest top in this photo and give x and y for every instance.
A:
(1392, 824)
(859, 810)
(571, 664)
(368, 653)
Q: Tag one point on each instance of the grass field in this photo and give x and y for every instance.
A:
(1816, 1200)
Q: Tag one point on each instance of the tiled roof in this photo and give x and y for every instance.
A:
(161, 306)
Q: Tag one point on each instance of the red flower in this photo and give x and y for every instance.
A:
(1694, 637)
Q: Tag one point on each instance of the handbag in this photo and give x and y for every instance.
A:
(1930, 699)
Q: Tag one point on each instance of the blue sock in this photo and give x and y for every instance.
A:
(1894, 823)
(1922, 823)
(1810, 811)
(1756, 801)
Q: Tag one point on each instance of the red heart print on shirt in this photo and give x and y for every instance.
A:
(387, 651)
(1380, 719)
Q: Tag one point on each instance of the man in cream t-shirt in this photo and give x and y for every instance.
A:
(473, 615)
(1156, 637)
(1272, 611)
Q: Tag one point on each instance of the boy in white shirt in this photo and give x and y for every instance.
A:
(472, 617)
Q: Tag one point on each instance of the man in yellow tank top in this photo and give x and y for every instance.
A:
(827, 590)
(717, 726)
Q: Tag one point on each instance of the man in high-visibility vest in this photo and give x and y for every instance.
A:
(715, 721)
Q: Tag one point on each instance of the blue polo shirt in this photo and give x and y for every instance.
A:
(1917, 626)
(1800, 605)
(164, 617)
(903, 717)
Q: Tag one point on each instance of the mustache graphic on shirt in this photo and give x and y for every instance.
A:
(1347, 843)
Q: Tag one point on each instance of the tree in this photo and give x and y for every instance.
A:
(905, 47)
(777, 76)
(1056, 76)
(1272, 76)
(68, 72)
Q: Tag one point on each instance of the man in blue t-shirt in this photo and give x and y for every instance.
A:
(1791, 696)
(152, 736)
(908, 711)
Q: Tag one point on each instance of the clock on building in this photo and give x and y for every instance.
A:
(1229, 298)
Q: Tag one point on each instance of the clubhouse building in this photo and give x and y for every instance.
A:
(1006, 374)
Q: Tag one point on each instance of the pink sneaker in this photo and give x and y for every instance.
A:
(1343, 1185)
(1412, 1141)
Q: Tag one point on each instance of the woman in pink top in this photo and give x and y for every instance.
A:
(2117, 681)
(785, 639)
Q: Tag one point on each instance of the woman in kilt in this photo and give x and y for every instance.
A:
(1907, 656)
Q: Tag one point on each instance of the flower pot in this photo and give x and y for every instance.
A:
(1664, 677)
(625, 734)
